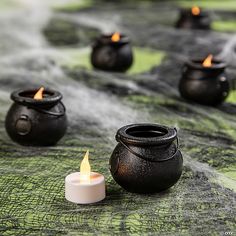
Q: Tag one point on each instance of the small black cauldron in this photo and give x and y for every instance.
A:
(146, 160)
(112, 53)
(36, 122)
(194, 18)
(204, 85)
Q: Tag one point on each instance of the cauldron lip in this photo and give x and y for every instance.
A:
(53, 97)
(169, 134)
(106, 39)
(188, 11)
(197, 64)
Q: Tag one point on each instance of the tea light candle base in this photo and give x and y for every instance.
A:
(79, 192)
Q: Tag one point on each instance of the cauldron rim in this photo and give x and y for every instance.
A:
(187, 11)
(54, 97)
(169, 134)
(197, 64)
(106, 39)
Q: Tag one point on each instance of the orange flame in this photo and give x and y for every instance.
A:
(85, 169)
(196, 10)
(115, 37)
(39, 94)
(208, 61)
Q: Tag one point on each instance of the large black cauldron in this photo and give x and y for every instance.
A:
(204, 85)
(36, 122)
(188, 20)
(146, 160)
(111, 55)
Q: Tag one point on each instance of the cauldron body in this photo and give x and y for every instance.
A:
(112, 56)
(204, 85)
(33, 122)
(146, 160)
(189, 21)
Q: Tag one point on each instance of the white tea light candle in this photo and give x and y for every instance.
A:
(85, 187)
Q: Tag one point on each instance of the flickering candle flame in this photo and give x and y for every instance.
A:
(115, 37)
(39, 94)
(85, 169)
(196, 10)
(208, 61)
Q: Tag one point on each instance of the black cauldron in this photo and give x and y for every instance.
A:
(36, 122)
(188, 20)
(111, 55)
(146, 159)
(204, 85)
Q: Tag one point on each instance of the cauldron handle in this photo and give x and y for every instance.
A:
(58, 114)
(224, 83)
(114, 170)
(146, 159)
(184, 69)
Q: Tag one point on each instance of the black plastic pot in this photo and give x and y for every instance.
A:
(189, 21)
(36, 122)
(204, 85)
(112, 56)
(146, 159)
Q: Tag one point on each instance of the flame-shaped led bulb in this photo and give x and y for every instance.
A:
(39, 94)
(208, 61)
(85, 169)
(115, 37)
(195, 10)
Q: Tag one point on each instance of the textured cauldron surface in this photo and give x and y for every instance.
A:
(28, 122)
(149, 173)
(208, 86)
(112, 56)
